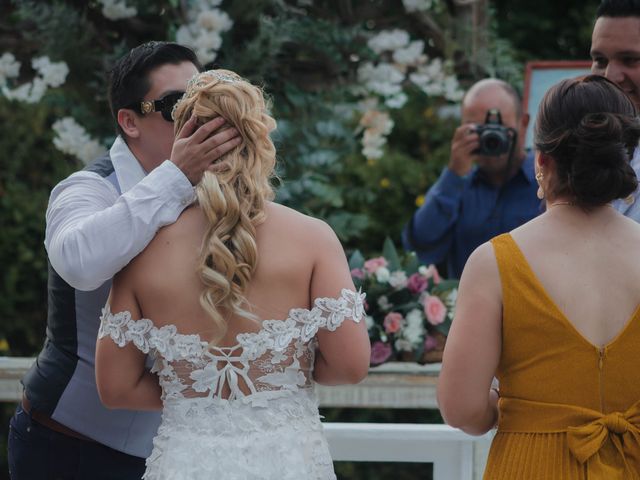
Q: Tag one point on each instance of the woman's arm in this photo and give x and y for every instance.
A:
(121, 376)
(473, 347)
(343, 354)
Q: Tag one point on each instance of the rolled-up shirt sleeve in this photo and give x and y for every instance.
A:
(92, 232)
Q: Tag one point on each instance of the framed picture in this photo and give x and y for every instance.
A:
(539, 76)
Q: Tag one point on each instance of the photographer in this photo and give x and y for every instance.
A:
(488, 187)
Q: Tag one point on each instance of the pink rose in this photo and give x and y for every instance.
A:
(357, 273)
(430, 343)
(430, 272)
(434, 310)
(417, 283)
(374, 264)
(380, 352)
(392, 322)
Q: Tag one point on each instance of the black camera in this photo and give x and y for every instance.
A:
(495, 139)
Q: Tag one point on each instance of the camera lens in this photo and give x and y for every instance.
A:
(492, 143)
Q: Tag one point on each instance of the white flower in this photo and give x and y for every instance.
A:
(403, 345)
(9, 67)
(417, 5)
(30, 92)
(398, 279)
(377, 122)
(388, 40)
(215, 20)
(53, 74)
(184, 36)
(452, 296)
(73, 139)
(383, 275)
(117, 10)
(396, 101)
(414, 318)
(383, 301)
(203, 32)
(452, 90)
(414, 334)
(411, 55)
(369, 322)
(384, 79)
(372, 142)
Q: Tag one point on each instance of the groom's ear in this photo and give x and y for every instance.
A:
(128, 121)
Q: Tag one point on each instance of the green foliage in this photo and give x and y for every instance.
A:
(546, 30)
(29, 169)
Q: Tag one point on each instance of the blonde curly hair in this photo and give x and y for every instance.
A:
(233, 194)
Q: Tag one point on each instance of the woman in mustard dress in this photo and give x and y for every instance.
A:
(552, 309)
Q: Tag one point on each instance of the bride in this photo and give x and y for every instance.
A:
(243, 304)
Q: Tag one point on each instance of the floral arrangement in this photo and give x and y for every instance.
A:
(409, 307)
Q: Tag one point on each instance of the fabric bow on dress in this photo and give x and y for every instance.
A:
(608, 444)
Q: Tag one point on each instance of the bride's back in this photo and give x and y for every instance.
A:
(169, 286)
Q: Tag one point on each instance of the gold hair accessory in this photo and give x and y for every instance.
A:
(629, 199)
(540, 192)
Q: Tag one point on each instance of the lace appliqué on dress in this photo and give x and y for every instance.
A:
(243, 412)
(278, 356)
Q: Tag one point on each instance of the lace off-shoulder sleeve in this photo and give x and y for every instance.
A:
(122, 329)
(329, 313)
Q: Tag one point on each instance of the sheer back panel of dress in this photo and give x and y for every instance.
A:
(278, 358)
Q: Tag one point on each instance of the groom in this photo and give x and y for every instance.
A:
(98, 220)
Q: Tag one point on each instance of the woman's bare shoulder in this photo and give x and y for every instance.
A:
(297, 222)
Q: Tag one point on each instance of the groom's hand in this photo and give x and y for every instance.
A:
(196, 148)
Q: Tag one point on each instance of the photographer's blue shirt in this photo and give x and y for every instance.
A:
(461, 213)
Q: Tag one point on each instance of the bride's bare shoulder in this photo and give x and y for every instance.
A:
(295, 222)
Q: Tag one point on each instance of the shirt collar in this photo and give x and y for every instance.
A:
(526, 171)
(128, 169)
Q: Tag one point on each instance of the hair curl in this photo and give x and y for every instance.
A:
(233, 194)
(590, 128)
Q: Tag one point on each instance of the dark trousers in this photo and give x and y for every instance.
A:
(39, 453)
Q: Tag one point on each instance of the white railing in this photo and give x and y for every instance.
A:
(454, 454)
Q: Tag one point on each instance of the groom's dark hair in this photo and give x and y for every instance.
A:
(129, 77)
(618, 8)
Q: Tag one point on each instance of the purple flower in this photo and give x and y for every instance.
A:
(357, 273)
(380, 352)
(430, 343)
(417, 283)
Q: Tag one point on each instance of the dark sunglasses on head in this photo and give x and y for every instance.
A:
(163, 105)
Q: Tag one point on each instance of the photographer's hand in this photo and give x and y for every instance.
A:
(465, 140)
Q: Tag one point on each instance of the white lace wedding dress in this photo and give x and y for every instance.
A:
(243, 412)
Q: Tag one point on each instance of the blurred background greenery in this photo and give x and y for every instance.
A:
(307, 54)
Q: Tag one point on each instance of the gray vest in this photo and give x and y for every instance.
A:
(62, 383)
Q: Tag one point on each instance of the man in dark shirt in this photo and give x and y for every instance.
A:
(477, 196)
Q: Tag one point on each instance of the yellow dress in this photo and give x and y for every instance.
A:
(568, 409)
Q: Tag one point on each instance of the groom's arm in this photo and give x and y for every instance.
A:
(92, 232)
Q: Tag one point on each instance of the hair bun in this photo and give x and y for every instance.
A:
(602, 145)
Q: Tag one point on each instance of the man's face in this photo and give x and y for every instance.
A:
(474, 110)
(156, 133)
(615, 52)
